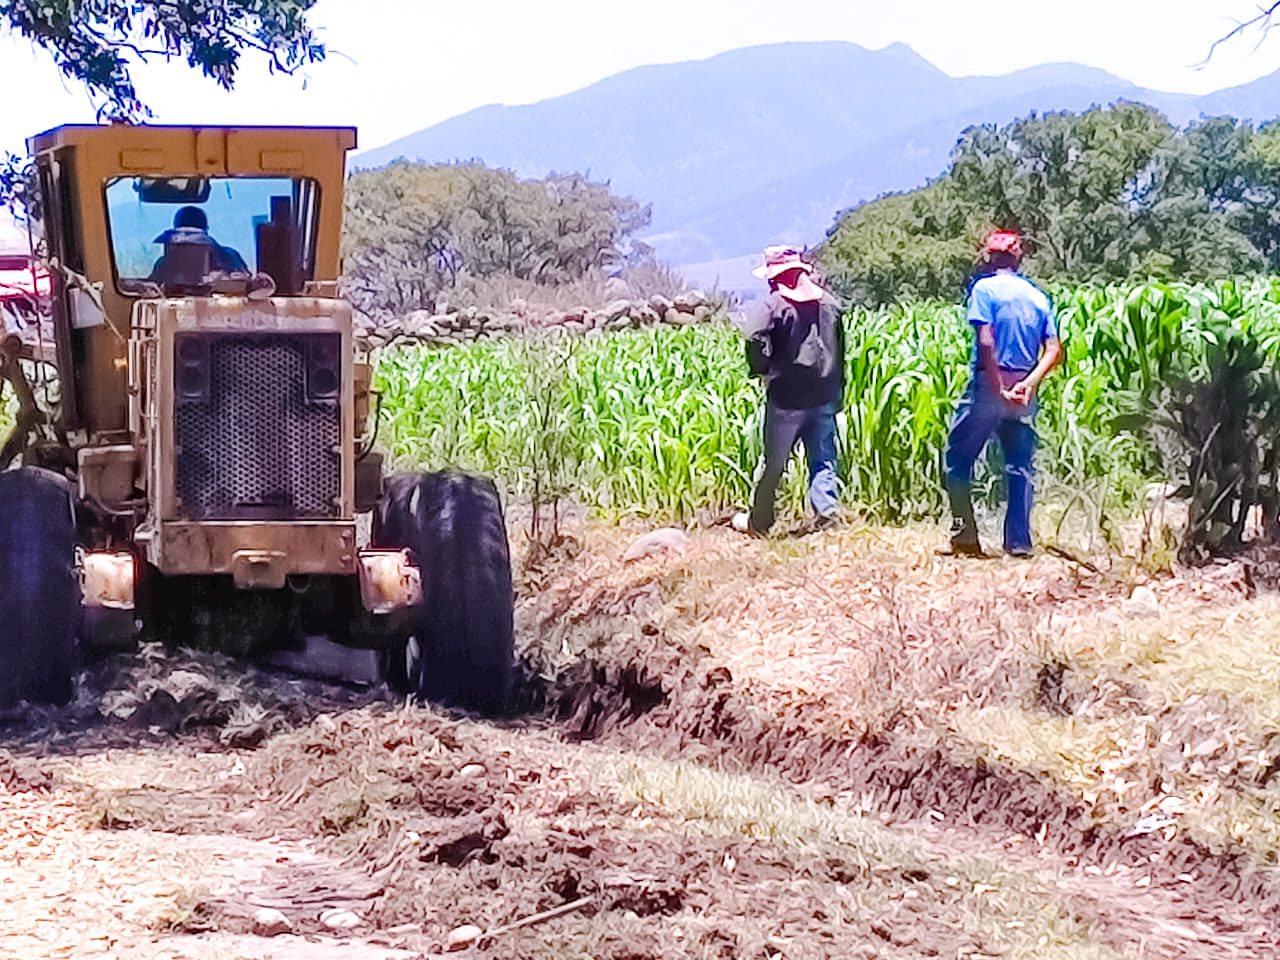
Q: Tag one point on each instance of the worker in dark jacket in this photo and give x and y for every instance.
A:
(191, 225)
(795, 341)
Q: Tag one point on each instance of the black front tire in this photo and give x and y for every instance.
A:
(39, 593)
(464, 634)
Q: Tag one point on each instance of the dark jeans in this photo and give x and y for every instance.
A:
(980, 416)
(815, 427)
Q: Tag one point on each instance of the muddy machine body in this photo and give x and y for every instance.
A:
(194, 433)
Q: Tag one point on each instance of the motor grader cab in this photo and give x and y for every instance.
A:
(194, 431)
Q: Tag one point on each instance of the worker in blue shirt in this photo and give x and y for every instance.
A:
(1015, 346)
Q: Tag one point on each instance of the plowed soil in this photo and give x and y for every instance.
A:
(834, 745)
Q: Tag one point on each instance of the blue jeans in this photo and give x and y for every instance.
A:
(815, 427)
(980, 416)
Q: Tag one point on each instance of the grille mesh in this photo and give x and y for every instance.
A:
(255, 447)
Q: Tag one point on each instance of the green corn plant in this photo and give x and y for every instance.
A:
(667, 422)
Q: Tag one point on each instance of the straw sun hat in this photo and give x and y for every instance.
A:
(781, 261)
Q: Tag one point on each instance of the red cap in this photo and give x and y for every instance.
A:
(1003, 241)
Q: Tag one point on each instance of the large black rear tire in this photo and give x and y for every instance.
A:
(464, 632)
(39, 593)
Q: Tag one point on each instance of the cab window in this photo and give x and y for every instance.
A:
(225, 229)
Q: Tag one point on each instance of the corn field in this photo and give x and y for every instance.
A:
(667, 422)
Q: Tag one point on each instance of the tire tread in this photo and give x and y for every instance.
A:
(454, 525)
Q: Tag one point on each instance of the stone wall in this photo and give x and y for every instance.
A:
(476, 323)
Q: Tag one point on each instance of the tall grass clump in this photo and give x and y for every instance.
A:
(653, 423)
(666, 422)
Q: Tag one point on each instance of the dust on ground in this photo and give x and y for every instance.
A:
(832, 745)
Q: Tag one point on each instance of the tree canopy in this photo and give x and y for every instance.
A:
(98, 42)
(414, 231)
(1109, 194)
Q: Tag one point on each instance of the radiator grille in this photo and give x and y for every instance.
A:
(252, 445)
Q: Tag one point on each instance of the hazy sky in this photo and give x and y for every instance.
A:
(397, 66)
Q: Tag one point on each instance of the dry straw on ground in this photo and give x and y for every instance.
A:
(826, 745)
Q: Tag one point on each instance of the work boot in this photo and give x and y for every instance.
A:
(825, 521)
(965, 548)
(964, 540)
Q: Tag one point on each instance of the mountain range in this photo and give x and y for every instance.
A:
(766, 144)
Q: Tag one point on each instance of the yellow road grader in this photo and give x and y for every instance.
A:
(193, 443)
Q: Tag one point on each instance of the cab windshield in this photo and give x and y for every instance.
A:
(198, 234)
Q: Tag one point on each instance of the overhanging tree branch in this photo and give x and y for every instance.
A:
(1263, 21)
(98, 42)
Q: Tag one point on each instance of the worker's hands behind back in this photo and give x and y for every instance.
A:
(1020, 394)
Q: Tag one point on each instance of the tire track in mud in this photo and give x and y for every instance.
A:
(474, 856)
(457, 820)
(1171, 897)
(651, 694)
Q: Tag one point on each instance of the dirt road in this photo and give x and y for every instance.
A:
(825, 746)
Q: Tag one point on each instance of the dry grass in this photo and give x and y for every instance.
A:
(1186, 701)
(862, 629)
(762, 860)
(1020, 913)
(867, 621)
(834, 655)
(1045, 670)
(1129, 769)
(66, 891)
(1231, 650)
